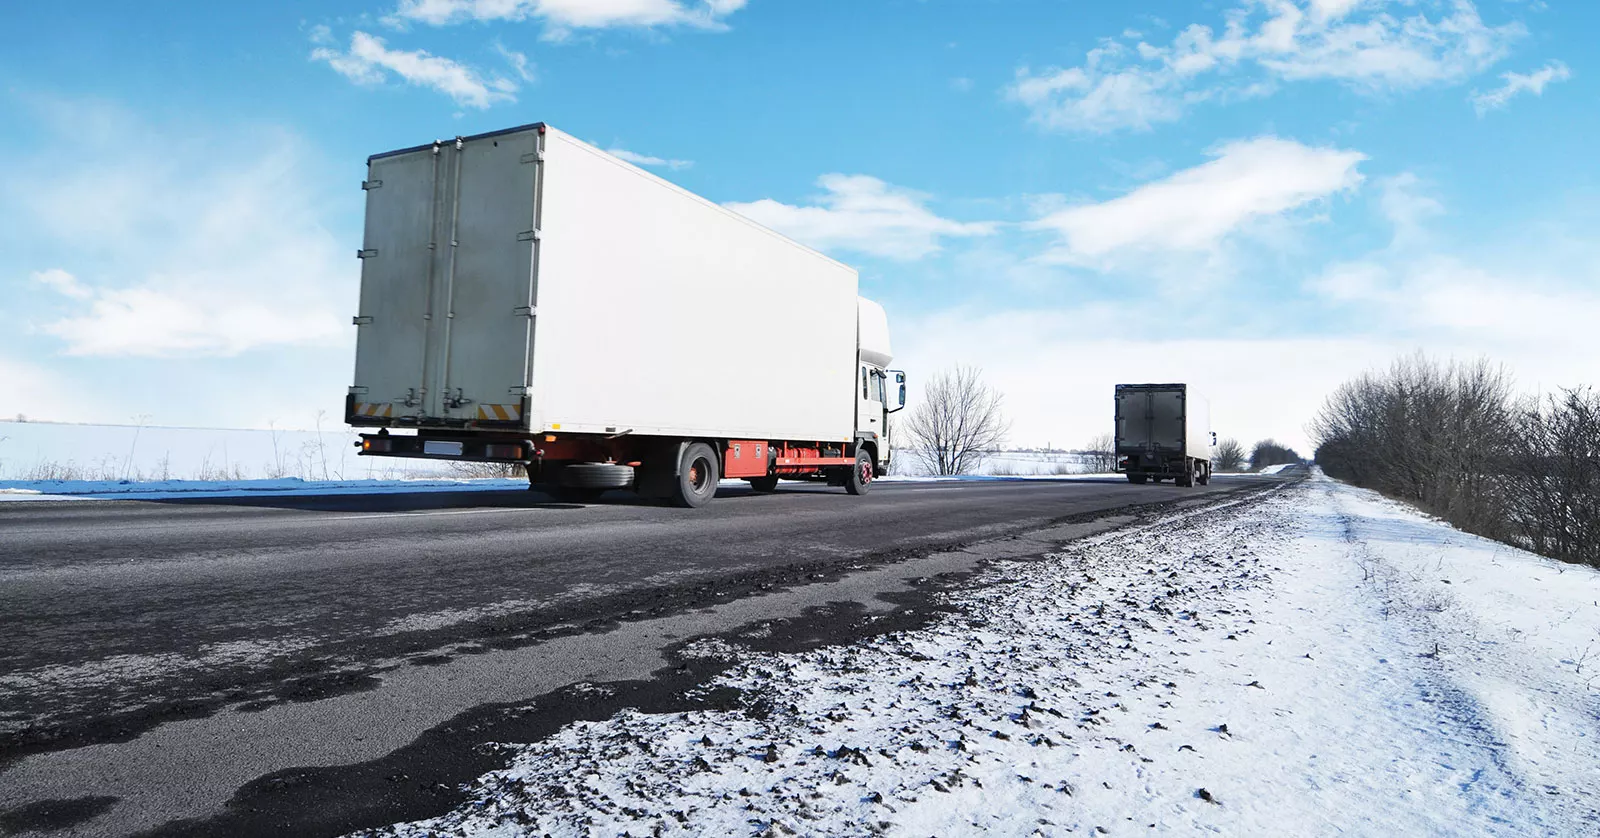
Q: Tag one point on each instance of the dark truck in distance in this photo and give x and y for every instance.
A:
(1163, 432)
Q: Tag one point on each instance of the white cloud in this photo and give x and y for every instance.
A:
(231, 259)
(647, 160)
(1406, 205)
(1372, 45)
(1091, 98)
(369, 61)
(1195, 209)
(518, 61)
(863, 214)
(1439, 300)
(1519, 83)
(562, 16)
(62, 283)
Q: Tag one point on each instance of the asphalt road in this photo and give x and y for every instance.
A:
(266, 665)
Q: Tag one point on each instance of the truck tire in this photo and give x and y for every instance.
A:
(597, 476)
(697, 476)
(764, 484)
(1205, 475)
(1136, 478)
(1186, 479)
(860, 479)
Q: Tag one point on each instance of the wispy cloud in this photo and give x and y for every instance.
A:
(1374, 46)
(233, 258)
(1195, 209)
(1519, 83)
(563, 16)
(518, 61)
(647, 160)
(370, 61)
(62, 283)
(865, 215)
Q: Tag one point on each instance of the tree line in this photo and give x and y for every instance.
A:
(1457, 441)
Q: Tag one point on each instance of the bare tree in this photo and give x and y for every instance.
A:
(1102, 451)
(958, 422)
(1230, 455)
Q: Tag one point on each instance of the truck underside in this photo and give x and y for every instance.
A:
(1156, 466)
(581, 467)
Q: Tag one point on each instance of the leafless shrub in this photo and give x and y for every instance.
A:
(1551, 476)
(474, 471)
(1102, 454)
(958, 422)
(1230, 455)
(1451, 439)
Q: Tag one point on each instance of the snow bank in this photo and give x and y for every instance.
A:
(1280, 668)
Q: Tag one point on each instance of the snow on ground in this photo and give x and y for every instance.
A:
(56, 450)
(1321, 662)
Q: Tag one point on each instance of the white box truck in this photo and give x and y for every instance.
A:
(527, 298)
(1164, 432)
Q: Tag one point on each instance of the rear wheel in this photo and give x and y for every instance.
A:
(697, 476)
(1205, 475)
(765, 484)
(860, 474)
(1186, 479)
(1136, 478)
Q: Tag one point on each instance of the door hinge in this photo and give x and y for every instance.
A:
(528, 236)
(533, 157)
(366, 254)
(358, 390)
(525, 311)
(371, 184)
(361, 320)
(520, 391)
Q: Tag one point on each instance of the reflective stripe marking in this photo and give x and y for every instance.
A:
(499, 412)
(374, 409)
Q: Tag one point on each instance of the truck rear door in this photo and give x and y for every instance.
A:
(489, 294)
(1150, 419)
(447, 284)
(1166, 419)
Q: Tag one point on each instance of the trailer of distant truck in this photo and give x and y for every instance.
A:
(529, 299)
(1163, 433)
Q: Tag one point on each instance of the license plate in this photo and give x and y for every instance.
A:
(442, 449)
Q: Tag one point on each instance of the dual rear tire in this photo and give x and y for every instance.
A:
(698, 473)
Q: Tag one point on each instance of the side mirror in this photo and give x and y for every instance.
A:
(897, 391)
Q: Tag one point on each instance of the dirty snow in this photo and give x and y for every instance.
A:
(1322, 661)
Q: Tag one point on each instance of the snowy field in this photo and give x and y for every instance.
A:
(31, 451)
(1321, 662)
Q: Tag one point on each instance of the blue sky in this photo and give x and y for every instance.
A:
(1263, 197)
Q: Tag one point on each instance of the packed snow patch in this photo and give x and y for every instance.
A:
(1277, 667)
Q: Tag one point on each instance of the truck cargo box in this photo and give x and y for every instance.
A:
(1163, 431)
(526, 281)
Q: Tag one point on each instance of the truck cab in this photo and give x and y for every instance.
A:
(882, 390)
